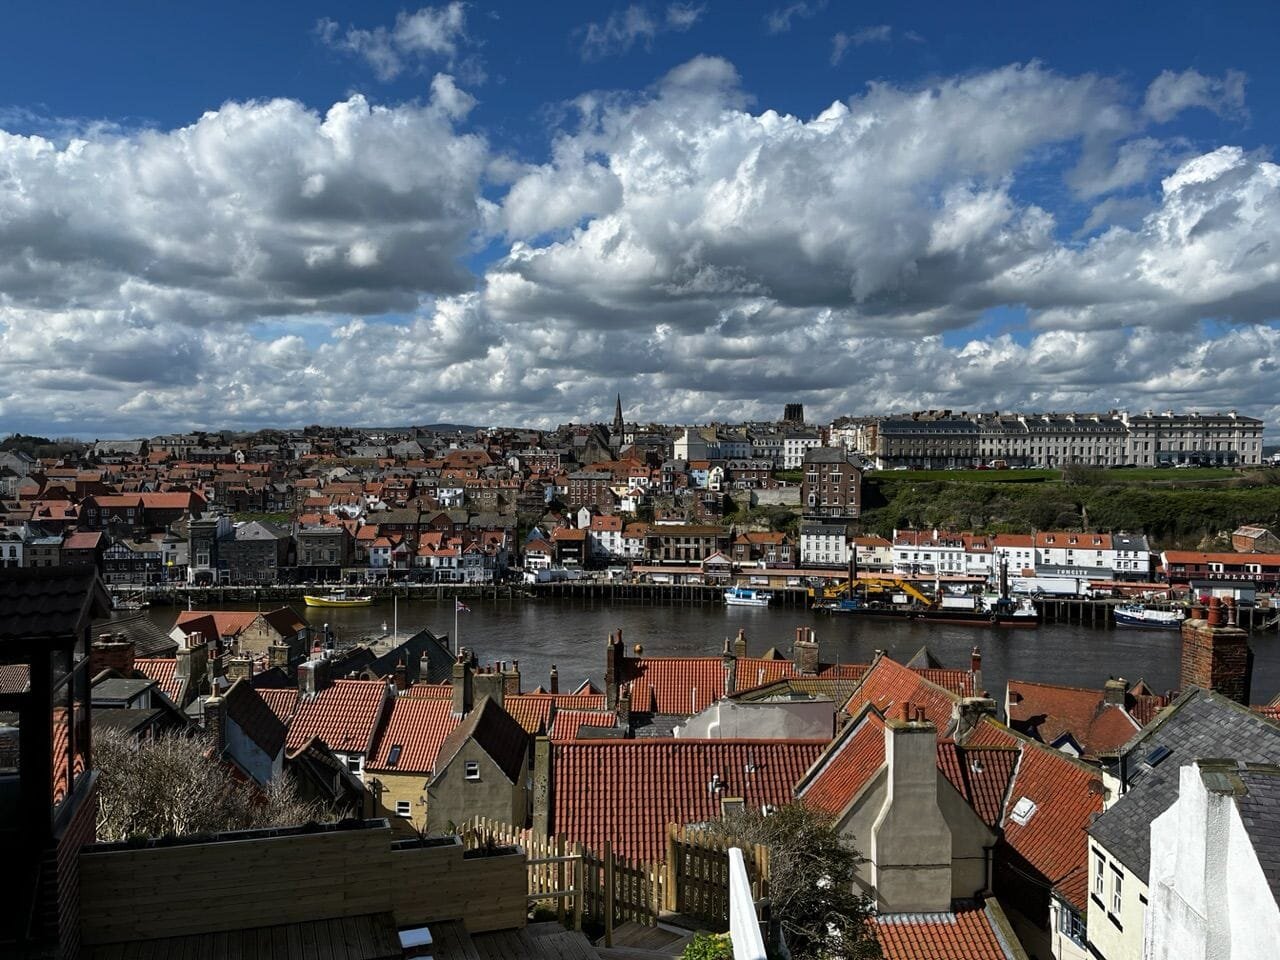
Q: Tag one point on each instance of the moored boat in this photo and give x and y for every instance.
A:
(1138, 615)
(337, 598)
(746, 597)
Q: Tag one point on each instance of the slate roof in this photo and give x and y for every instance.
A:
(627, 791)
(345, 716)
(417, 726)
(148, 639)
(254, 717)
(494, 730)
(49, 602)
(967, 933)
(1260, 813)
(1197, 725)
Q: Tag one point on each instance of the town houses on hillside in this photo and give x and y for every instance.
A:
(666, 503)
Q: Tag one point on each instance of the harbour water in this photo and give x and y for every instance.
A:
(571, 635)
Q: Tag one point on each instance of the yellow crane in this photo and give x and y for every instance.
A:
(840, 590)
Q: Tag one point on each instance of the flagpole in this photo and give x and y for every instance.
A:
(457, 643)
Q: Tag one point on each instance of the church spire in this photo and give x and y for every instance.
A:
(617, 419)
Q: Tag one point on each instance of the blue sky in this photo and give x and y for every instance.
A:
(516, 210)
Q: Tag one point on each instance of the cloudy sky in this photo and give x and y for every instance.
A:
(507, 212)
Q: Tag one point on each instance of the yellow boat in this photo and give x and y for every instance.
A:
(339, 598)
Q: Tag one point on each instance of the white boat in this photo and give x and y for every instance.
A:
(747, 597)
(1138, 615)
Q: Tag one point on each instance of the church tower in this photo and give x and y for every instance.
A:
(616, 434)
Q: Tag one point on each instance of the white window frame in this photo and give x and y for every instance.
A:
(404, 808)
(471, 769)
(1117, 891)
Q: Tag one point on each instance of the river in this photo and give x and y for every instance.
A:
(572, 634)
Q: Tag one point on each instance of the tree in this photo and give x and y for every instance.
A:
(172, 786)
(811, 873)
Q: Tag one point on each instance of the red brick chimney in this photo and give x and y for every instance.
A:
(1216, 654)
(111, 653)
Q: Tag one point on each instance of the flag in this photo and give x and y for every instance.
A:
(460, 607)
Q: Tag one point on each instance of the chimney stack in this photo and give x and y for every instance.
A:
(1216, 655)
(192, 664)
(511, 678)
(740, 644)
(215, 722)
(554, 682)
(111, 653)
(462, 694)
(910, 847)
(805, 652)
(730, 663)
(542, 761)
(488, 682)
(313, 676)
(623, 708)
(401, 676)
(614, 668)
(975, 668)
(1113, 692)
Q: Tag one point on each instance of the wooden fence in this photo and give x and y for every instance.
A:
(697, 875)
(605, 889)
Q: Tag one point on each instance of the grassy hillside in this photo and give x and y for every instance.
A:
(1174, 507)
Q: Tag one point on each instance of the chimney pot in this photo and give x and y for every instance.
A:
(904, 709)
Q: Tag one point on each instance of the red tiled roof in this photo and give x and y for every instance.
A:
(533, 711)
(163, 670)
(855, 757)
(1048, 711)
(283, 701)
(567, 723)
(223, 623)
(959, 682)
(888, 683)
(430, 691)
(966, 934)
(757, 671)
(627, 791)
(674, 685)
(980, 774)
(345, 716)
(418, 726)
(1066, 795)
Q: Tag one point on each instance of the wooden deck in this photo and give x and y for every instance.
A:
(370, 937)
(538, 941)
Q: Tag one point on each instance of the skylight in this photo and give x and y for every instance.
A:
(393, 757)
(1023, 811)
(1155, 756)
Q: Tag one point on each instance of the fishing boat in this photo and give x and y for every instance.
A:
(978, 611)
(1138, 615)
(337, 598)
(746, 597)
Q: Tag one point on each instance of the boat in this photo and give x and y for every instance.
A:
(747, 597)
(337, 598)
(1138, 615)
(979, 612)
